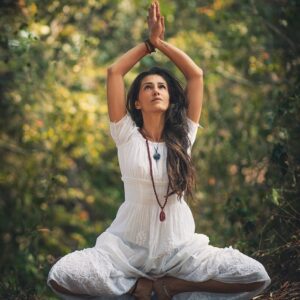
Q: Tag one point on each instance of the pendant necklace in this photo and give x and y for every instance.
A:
(156, 155)
(162, 215)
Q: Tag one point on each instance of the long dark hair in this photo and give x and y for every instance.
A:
(181, 172)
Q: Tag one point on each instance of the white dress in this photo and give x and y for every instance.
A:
(138, 244)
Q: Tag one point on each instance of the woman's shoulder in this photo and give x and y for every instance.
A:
(192, 130)
(123, 129)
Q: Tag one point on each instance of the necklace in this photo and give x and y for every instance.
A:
(162, 215)
(156, 155)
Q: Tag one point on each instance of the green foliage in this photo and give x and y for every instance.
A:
(59, 177)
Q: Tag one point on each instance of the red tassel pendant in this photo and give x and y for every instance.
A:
(162, 216)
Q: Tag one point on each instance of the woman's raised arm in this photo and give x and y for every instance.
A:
(115, 81)
(192, 73)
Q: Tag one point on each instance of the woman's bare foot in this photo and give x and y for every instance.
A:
(142, 290)
(163, 288)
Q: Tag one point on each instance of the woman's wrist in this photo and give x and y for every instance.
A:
(150, 47)
(155, 41)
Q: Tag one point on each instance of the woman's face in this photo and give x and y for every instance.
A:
(153, 95)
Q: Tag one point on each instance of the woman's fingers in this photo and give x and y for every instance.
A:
(153, 11)
(150, 11)
(157, 10)
(163, 22)
(163, 27)
(150, 19)
(155, 21)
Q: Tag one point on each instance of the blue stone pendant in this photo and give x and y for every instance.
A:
(156, 156)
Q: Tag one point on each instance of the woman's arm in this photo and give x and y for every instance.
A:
(115, 81)
(115, 77)
(192, 73)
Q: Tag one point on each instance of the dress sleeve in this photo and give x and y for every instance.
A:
(193, 128)
(122, 130)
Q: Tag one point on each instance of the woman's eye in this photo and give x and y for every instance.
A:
(147, 87)
(162, 86)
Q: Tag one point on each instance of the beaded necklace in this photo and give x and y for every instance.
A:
(162, 215)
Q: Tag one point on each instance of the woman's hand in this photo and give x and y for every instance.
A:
(156, 23)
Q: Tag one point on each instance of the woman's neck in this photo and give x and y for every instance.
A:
(153, 127)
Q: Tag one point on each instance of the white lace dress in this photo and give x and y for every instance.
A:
(138, 244)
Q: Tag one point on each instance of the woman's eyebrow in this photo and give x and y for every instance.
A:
(147, 83)
(152, 83)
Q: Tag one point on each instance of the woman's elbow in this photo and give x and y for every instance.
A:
(199, 72)
(111, 70)
(114, 71)
(196, 74)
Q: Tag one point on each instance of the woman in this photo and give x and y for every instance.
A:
(151, 247)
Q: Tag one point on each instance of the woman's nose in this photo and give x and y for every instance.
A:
(155, 91)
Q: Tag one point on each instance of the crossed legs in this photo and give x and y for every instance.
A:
(172, 286)
(167, 287)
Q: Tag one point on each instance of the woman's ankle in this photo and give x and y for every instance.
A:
(142, 288)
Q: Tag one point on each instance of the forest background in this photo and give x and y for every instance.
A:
(60, 183)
